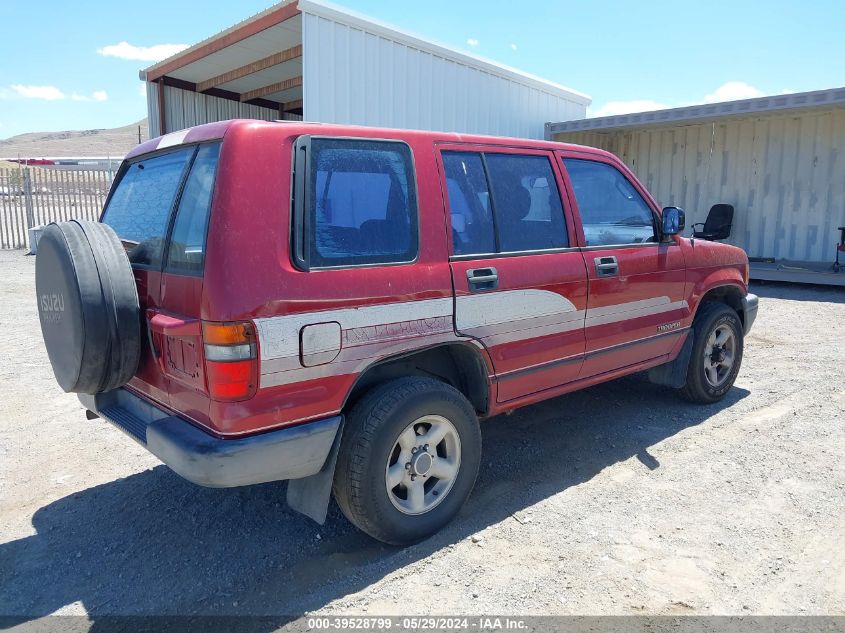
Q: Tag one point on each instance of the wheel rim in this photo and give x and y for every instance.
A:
(719, 355)
(423, 464)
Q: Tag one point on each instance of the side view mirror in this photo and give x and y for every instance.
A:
(674, 220)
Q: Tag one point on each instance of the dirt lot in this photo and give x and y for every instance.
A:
(619, 499)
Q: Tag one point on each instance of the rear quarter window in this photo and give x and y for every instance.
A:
(362, 203)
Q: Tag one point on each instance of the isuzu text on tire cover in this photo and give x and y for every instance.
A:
(339, 306)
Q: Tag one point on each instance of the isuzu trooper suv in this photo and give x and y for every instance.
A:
(339, 306)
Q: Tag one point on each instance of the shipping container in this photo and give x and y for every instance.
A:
(780, 161)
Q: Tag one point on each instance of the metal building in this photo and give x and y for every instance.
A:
(309, 59)
(780, 161)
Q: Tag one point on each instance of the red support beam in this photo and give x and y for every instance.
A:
(253, 67)
(279, 86)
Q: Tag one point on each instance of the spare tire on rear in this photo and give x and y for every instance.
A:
(88, 306)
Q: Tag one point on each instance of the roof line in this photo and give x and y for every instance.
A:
(245, 28)
(758, 105)
(325, 9)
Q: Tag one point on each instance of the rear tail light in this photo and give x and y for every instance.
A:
(231, 360)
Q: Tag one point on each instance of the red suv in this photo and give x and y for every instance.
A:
(339, 306)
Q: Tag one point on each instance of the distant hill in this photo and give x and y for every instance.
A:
(105, 142)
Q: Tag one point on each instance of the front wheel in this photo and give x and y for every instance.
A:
(408, 459)
(716, 354)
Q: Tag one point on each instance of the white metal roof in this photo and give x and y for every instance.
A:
(217, 36)
(289, 33)
(356, 20)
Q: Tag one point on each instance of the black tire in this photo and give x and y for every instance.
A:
(88, 306)
(711, 315)
(371, 431)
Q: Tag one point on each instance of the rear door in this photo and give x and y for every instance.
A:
(139, 209)
(176, 325)
(636, 282)
(159, 208)
(519, 280)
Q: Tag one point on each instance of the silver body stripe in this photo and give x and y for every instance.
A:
(632, 310)
(279, 336)
(349, 361)
(371, 332)
(537, 330)
(507, 306)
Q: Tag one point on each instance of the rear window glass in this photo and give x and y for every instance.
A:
(363, 203)
(139, 208)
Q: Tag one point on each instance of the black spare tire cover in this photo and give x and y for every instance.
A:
(88, 306)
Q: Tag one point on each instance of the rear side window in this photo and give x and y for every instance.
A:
(361, 203)
(503, 203)
(139, 208)
(612, 210)
(469, 204)
(187, 242)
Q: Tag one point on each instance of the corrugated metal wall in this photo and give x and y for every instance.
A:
(351, 75)
(784, 174)
(185, 109)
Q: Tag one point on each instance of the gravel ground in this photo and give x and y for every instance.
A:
(619, 499)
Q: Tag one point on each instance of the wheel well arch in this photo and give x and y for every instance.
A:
(728, 294)
(459, 364)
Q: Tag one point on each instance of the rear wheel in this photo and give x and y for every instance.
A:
(716, 353)
(408, 459)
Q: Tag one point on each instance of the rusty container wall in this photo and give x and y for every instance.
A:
(783, 172)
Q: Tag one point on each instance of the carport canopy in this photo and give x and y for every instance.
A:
(257, 61)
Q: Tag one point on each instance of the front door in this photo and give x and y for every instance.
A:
(636, 282)
(520, 283)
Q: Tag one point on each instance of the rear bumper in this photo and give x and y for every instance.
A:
(206, 460)
(749, 309)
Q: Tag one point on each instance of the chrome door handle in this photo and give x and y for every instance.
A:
(606, 266)
(480, 279)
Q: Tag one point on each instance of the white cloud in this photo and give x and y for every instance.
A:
(612, 108)
(48, 93)
(97, 95)
(472, 41)
(513, 47)
(733, 91)
(125, 50)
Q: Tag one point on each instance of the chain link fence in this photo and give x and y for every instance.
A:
(33, 196)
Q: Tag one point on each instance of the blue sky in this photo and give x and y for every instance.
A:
(627, 56)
